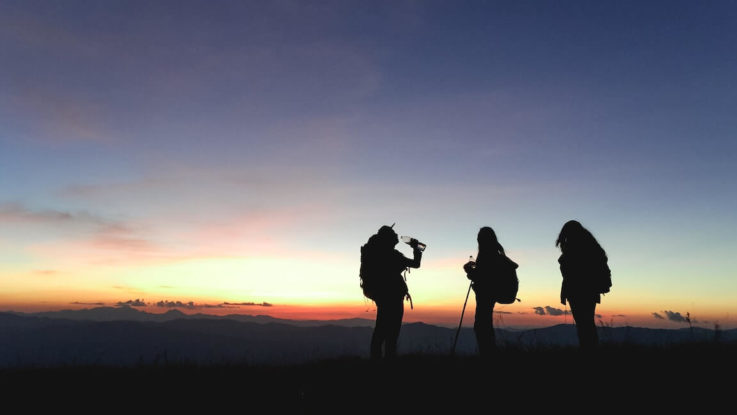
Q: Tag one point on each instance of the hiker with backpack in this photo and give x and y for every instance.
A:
(586, 275)
(382, 282)
(494, 279)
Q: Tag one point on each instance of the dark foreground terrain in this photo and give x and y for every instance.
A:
(687, 378)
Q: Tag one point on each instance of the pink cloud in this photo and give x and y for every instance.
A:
(75, 235)
(122, 238)
(46, 272)
(61, 116)
(16, 213)
(255, 233)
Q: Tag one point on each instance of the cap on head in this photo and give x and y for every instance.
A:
(386, 231)
(387, 234)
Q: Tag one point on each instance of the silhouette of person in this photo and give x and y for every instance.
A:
(388, 289)
(586, 275)
(483, 272)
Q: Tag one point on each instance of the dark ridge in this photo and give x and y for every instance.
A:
(43, 341)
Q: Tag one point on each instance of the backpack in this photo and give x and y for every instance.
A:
(378, 280)
(604, 278)
(369, 272)
(506, 284)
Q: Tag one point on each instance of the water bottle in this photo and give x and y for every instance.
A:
(409, 239)
(470, 265)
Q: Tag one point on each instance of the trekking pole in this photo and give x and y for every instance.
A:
(453, 350)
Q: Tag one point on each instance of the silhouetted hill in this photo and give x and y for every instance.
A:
(43, 341)
(565, 335)
(109, 314)
(131, 314)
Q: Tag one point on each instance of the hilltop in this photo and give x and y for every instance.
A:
(32, 341)
(127, 313)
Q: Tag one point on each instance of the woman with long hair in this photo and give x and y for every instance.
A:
(484, 272)
(586, 275)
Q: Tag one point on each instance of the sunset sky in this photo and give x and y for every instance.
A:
(241, 152)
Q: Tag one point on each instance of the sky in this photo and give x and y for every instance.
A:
(233, 156)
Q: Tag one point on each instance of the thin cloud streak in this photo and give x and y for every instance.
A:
(106, 233)
(549, 311)
(677, 316)
(17, 213)
(554, 311)
(250, 304)
(132, 303)
(191, 305)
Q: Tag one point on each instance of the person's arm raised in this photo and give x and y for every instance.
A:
(414, 262)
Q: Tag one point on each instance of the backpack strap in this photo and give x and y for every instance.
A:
(407, 297)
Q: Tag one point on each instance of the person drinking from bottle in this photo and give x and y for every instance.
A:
(382, 282)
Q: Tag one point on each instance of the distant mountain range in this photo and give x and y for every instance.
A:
(131, 314)
(125, 336)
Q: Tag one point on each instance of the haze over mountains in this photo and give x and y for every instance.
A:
(132, 314)
(125, 336)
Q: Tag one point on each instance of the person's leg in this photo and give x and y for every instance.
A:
(379, 336)
(492, 332)
(594, 334)
(395, 312)
(583, 314)
(483, 323)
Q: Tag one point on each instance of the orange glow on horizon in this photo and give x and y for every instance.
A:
(442, 315)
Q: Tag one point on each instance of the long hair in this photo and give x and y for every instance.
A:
(488, 244)
(574, 238)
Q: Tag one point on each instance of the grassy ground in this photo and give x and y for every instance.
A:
(695, 377)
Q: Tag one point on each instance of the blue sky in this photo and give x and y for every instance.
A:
(192, 129)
